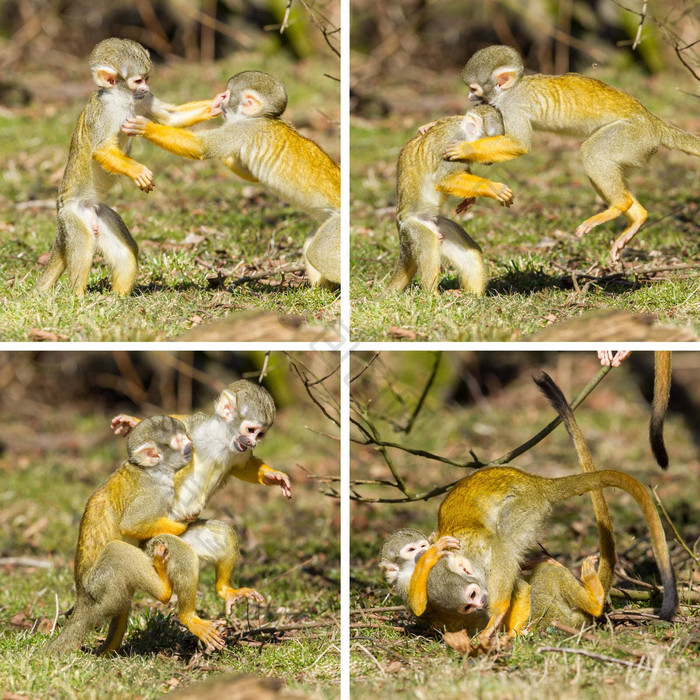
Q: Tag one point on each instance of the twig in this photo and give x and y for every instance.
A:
(294, 364)
(426, 389)
(266, 273)
(275, 629)
(365, 368)
(597, 657)
(372, 438)
(642, 17)
(263, 370)
(390, 608)
(580, 634)
(25, 561)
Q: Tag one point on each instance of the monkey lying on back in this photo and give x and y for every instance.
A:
(424, 179)
(131, 507)
(497, 513)
(259, 146)
(98, 150)
(621, 134)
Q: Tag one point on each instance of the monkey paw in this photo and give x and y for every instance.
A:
(458, 150)
(503, 194)
(161, 554)
(233, 595)
(207, 631)
(445, 543)
(123, 424)
(277, 478)
(422, 130)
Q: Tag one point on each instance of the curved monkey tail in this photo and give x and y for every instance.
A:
(659, 405)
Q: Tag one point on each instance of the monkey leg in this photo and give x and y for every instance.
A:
(465, 185)
(119, 249)
(607, 156)
(75, 226)
(419, 251)
(56, 263)
(183, 572)
(120, 571)
(464, 254)
(85, 617)
(322, 254)
(215, 541)
(519, 612)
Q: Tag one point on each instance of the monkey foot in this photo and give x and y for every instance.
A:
(233, 595)
(207, 631)
(122, 424)
(446, 543)
(494, 642)
(458, 151)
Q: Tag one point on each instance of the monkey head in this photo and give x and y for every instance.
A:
(254, 94)
(248, 411)
(482, 121)
(400, 552)
(121, 63)
(455, 587)
(159, 442)
(491, 71)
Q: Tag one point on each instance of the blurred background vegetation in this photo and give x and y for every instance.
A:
(407, 40)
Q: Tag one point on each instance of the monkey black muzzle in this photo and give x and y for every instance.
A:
(242, 443)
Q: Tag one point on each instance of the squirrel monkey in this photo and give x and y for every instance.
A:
(132, 506)
(497, 514)
(98, 151)
(223, 447)
(424, 179)
(259, 146)
(621, 134)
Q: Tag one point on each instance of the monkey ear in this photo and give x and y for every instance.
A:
(226, 406)
(104, 76)
(251, 104)
(390, 571)
(505, 77)
(473, 124)
(147, 455)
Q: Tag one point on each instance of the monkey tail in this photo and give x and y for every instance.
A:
(567, 486)
(606, 537)
(675, 138)
(659, 405)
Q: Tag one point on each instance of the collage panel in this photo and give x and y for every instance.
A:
(170, 171)
(130, 477)
(480, 564)
(496, 196)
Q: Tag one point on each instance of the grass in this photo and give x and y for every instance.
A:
(530, 249)
(487, 402)
(52, 462)
(199, 232)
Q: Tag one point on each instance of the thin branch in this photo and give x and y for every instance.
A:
(693, 556)
(365, 368)
(597, 657)
(373, 439)
(426, 389)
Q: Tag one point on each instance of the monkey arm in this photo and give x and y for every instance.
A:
(255, 471)
(418, 588)
(492, 149)
(178, 141)
(133, 528)
(232, 163)
(466, 185)
(114, 160)
(186, 114)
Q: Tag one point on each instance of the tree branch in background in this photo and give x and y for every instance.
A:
(371, 436)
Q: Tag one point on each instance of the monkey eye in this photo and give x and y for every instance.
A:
(261, 435)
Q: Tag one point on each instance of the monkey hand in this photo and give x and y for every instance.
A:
(143, 178)
(135, 126)
(422, 130)
(277, 478)
(445, 543)
(459, 641)
(609, 358)
(458, 150)
(233, 595)
(465, 205)
(216, 103)
(123, 424)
